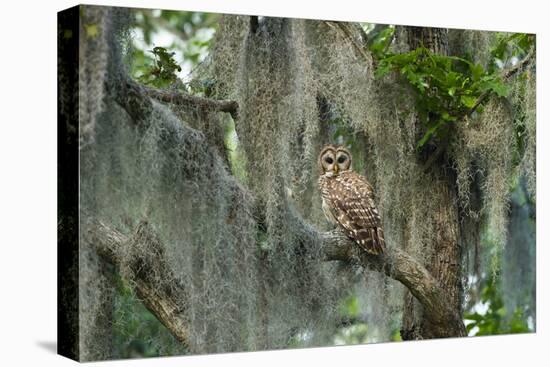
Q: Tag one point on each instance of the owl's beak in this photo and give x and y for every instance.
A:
(335, 169)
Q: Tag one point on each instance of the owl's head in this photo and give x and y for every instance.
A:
(334, 159)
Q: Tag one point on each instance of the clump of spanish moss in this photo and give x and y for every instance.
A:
(523, 99)
(95, 302)
(277, 132)
(529, 164)
(472, 44)
(93, 59)
(486, 143)
(223, 61)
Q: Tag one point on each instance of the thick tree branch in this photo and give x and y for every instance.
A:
(134, 98)
(399, 265)
(180, 98)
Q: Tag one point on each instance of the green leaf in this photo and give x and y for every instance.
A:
(163, 71)
(381, 41)
(447, 117)
(476, 72)
(500, 89)
(468, 101)
(426, 136)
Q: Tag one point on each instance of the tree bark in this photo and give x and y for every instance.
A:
(434, 39)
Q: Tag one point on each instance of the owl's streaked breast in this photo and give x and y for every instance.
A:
(325, 188)
(328, 212)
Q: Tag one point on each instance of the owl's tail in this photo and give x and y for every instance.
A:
(373, 241)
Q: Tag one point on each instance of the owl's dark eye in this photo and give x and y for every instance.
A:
(342, 159)
(329, 160)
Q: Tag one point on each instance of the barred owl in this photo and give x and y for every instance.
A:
(348, 199)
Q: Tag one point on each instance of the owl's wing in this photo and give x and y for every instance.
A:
(352, 204)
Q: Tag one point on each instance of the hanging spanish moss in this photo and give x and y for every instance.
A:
(472, 44)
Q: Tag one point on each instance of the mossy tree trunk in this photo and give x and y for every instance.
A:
(444, 262)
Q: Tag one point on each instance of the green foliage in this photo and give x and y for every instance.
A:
(381, 41)
(164, 70)
(508, 47)
(497, 319)
(187, 35)
(350, 307)
(446, 87)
